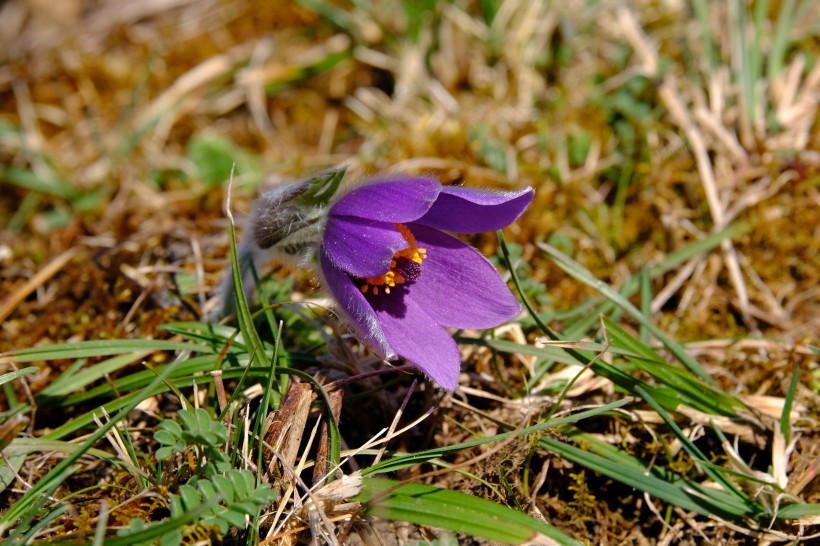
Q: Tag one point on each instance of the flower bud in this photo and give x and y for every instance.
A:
(286, 225)
(289, 217)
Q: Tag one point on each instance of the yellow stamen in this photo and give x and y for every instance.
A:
(394, 277)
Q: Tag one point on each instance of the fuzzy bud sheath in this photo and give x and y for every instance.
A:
(285, 226)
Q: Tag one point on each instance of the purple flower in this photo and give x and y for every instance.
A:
(399, 279)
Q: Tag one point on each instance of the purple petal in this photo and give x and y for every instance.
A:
(361, 247)
(397, 199)
(418, 338)
(467, 210)
(458, 287)
(355, 309)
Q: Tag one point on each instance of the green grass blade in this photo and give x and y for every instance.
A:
(43, 523)
(36, 505)
(755, 55)
(214, 336)
(84, 349)
(265, 404)
(785, 417)
(397, 462)
(577, 271)
(548, 352)
(670, 488)
(795, 511)
(742, 55)
(646, 301)
(580, 357)
(48, 481)
(11, 376)
(691, 389)
(702, 14)
(182, 380)
(25, 446)
(556, 353)
(10, 466)
(698, 455)
(454, 511)
(243, 313)
(337, 16)
(589, 313)
(667, 396)
(68, 383)
(780, 44)
(678, 257)
(28, 179)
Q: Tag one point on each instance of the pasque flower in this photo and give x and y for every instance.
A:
(399, 278)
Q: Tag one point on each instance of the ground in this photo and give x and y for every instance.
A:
(673, 148)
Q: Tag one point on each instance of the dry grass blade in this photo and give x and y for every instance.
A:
(668, 90)
(12, 300)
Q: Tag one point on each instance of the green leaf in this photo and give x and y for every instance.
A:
(166, 452)
(189, 495)
(215, 158)
(137, 534)
(233, 519)
(209, 489)
(224, 485)
(171, 428)
(203, 420)
(189, 420)
(171, 538)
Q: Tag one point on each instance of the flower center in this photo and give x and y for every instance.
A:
(404, 267)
